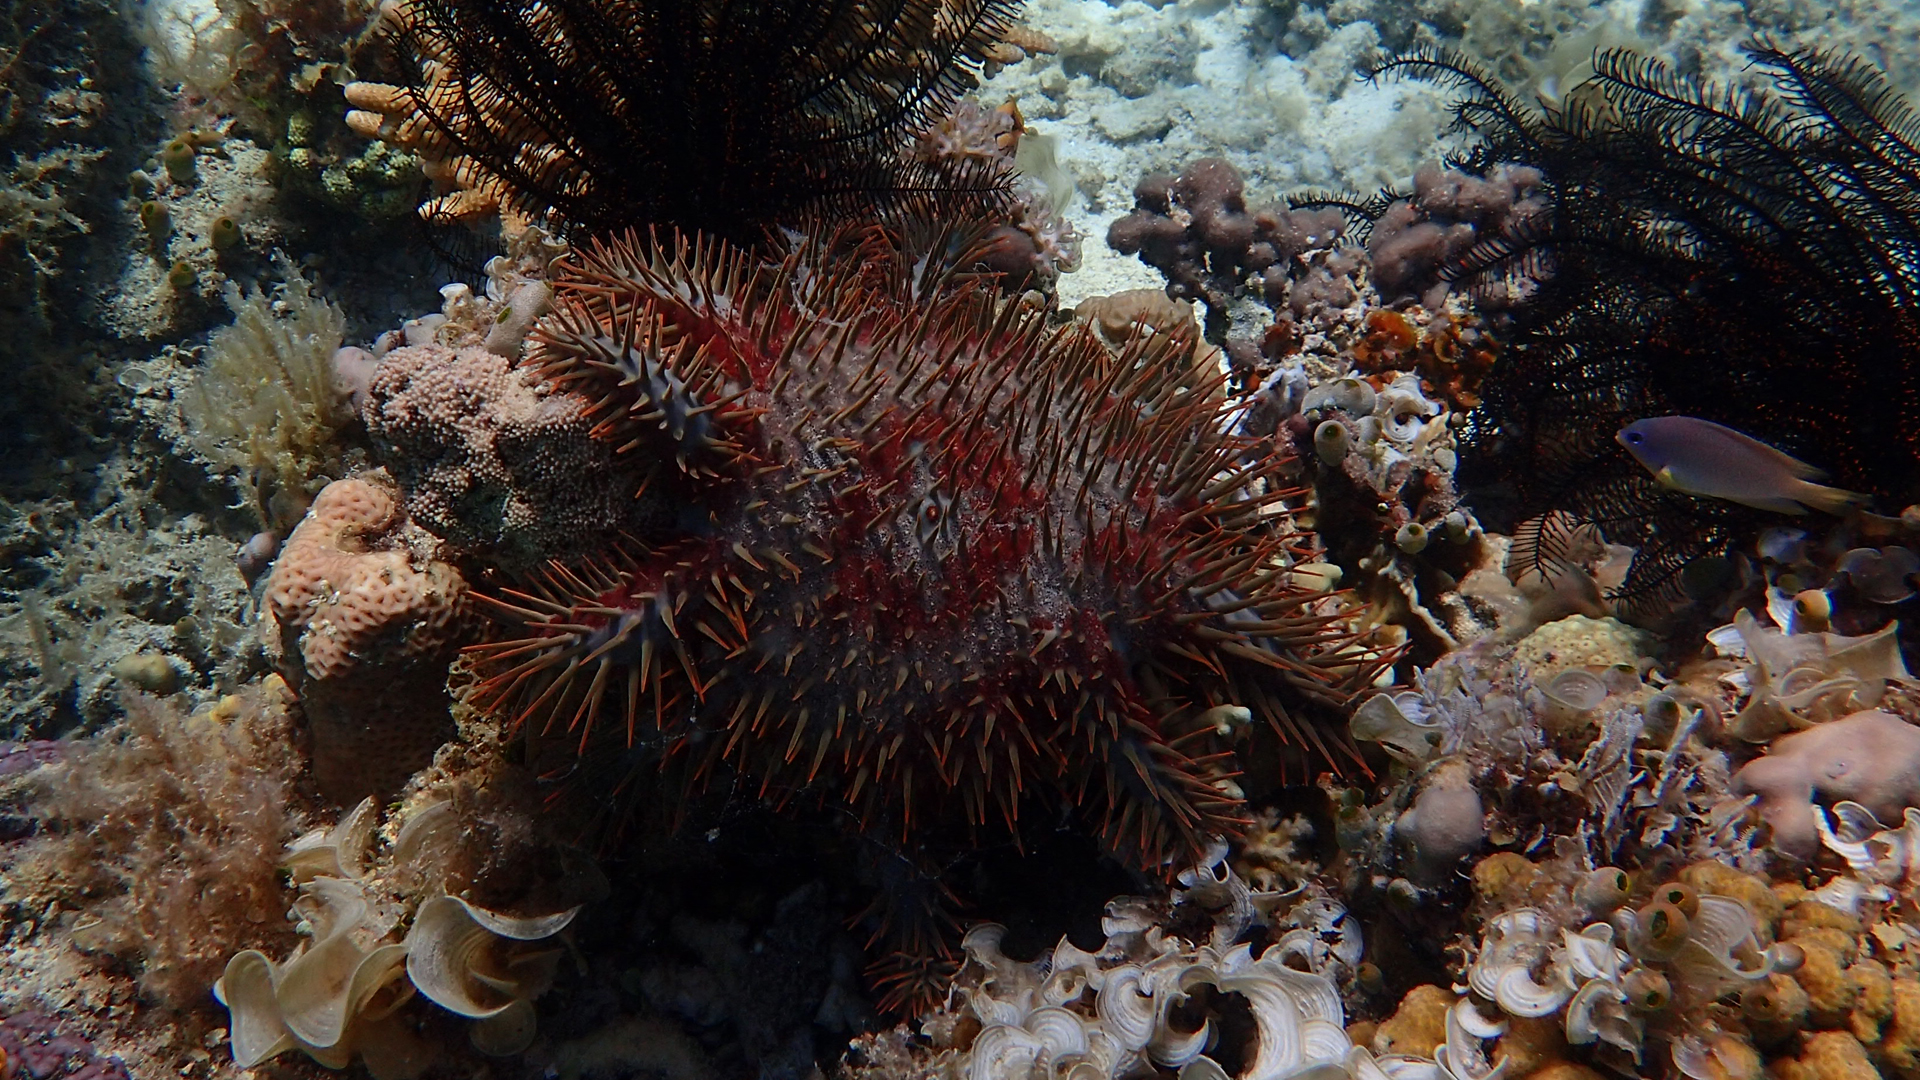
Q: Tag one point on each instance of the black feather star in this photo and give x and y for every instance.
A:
(1747, 256)
(710, 115)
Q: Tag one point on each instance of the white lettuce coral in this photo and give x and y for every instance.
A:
(340, 993)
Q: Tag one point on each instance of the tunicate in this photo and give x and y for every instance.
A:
(1662, 713)
(1411, 538)
(1647, 991)
(1812, 609)
(1603, 890)
(1681, 896)
(256, 555)
(134, 379)
(156, 219)
(1331, 441)
(223, 234)
(147, 671)
(177, 158)
(1571, 695)
(1403, 416)
(1663, 929)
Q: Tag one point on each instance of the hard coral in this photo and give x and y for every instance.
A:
(933, 555)
(494, 462)
(1416, 240)
(368, 628)
(1196, 229)
(691, 114)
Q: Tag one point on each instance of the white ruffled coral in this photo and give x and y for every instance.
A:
(1132, 1005)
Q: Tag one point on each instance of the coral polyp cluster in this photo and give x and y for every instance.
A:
(928, 553)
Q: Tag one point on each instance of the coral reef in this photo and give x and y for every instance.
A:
(871, 619)
(368, 619)
(1704, 243)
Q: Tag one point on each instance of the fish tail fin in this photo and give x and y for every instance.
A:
(1830, 500)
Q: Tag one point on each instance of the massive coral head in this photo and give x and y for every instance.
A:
(953, 555)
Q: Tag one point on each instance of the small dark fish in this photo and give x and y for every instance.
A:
(1700, 457)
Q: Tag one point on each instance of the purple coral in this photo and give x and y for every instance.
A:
(1196, 229)
(1450, 212)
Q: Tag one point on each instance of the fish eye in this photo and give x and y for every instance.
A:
(1633, 436)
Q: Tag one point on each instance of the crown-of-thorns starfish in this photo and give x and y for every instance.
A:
(933, 553)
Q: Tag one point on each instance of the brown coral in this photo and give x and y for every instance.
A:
(1829, 1055)
(368, 628)
(1418, 1025)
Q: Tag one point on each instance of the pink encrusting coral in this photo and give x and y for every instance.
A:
(368, 624)
(493, 461)
(1871, 757)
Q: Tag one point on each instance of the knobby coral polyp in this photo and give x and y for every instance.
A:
(929, 554)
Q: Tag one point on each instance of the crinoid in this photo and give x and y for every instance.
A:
(1743, 256)
(933, 558)
(702, 114)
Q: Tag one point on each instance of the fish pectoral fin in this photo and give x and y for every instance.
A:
(1666, 479)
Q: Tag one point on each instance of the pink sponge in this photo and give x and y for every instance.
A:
(1872, 758)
